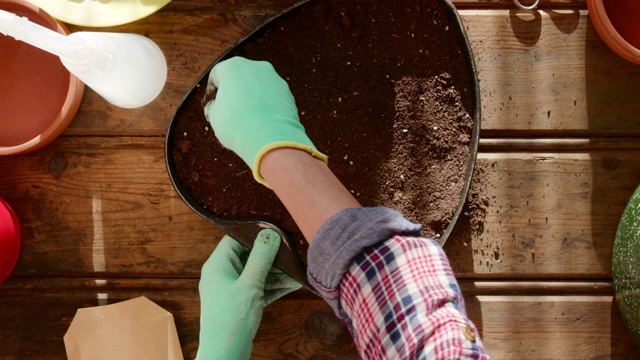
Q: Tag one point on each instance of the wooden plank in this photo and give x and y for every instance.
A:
(548, 214)
(103, 205)
(558, 144)
(472, 288)
(41, 310)
(106, 206)
(550, 327)
(542, 73)
(243, 4)
(548, 73)
(509, 4)
(559, 324)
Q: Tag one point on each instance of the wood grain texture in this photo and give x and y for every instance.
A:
(543, 73)
(550, 327)
(532, 320)
(274, 4)
(103, 205)
(558, 144)
(549, 73)
(509, 4)
(106, 206)
(548, 214)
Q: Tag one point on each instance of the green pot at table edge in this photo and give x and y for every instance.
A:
(626, 266)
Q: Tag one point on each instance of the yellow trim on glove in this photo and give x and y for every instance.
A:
(283, 144)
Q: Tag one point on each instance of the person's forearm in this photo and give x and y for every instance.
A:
(306, 186)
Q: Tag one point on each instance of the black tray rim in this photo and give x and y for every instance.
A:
(245, 229)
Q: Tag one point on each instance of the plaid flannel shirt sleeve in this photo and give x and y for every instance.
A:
(394, 289)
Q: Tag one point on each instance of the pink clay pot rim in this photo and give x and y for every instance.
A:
(70, 105)
(609, 34)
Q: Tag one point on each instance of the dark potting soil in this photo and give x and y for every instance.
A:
(381, 87)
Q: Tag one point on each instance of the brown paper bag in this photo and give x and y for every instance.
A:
(135, 329)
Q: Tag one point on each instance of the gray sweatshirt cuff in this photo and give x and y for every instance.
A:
(344, 236)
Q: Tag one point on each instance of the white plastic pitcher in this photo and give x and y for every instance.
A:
(127, 70)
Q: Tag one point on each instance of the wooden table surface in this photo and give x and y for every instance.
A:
(559, 146)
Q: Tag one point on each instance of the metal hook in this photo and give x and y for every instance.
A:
(523, 7)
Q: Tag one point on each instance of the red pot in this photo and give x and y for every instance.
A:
(616, 21)
(9, 240)
(38, 95)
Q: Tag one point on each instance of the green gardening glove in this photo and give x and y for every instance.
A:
(254, 111)
(235, 285)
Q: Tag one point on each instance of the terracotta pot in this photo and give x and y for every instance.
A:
(38, 95)
(616, 23)
(9, 240)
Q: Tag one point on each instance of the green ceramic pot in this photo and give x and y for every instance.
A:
(626, 266)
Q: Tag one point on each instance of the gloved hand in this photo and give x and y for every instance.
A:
(254, 111)
(236, 284)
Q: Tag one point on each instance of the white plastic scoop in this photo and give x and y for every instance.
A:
(127, 70)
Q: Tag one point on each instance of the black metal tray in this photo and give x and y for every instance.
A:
(246, 229)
